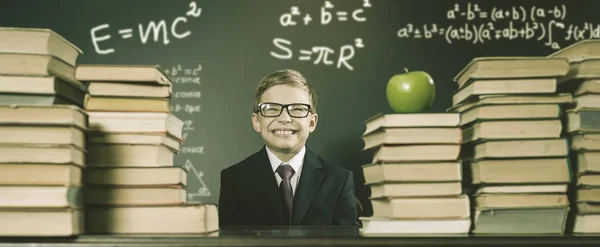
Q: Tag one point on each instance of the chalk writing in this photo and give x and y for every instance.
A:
(187, 108)
(188, 125)
(515, 13)
(192, 94)
(542, 24)
(192, 150)
(327, 15)
(197, 175)
(180, 75)
(321, 54)
(185, 101)
(178, 70)
(159, 30)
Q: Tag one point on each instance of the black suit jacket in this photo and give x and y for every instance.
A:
(249, 194)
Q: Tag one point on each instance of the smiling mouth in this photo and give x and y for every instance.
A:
(284, 132)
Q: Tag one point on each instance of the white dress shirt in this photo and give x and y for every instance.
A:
(296, 163)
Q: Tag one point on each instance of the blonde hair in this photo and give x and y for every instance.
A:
(285, 77)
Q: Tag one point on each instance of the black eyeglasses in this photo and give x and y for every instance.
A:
(296, 110)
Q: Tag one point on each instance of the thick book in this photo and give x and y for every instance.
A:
(38, 41)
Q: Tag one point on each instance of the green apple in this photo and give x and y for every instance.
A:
(410, 92)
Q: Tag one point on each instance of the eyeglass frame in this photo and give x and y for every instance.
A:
(284, 106)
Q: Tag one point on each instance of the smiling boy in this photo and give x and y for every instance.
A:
(285, 183)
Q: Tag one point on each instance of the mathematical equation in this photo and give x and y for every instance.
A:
(346, 52)
(326, 15)
(156, 30)
(180, 75)
(515, 13)
(187, 108)
(185, 100)
(188, 125)
(320, 54)
(536, 23)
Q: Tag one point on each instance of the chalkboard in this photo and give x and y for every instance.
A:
(216, 52)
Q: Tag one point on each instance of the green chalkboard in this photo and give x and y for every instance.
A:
(217, 51)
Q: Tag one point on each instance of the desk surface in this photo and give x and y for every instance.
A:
(299, 236)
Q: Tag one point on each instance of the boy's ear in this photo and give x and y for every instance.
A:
(255, 122)
(312, 125)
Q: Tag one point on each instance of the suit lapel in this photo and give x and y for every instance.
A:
(263, 175)
(310, 181)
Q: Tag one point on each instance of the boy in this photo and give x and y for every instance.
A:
(285, 183)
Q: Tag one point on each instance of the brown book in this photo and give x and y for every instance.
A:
(412, 172)
(383, 227)
(587, 162)
(588, 180)
(394, 190)
(520, 201)
(523, 189)
(513, 129)
(46, 154)
(135, 138)
(512, 99)
(29, 196)
(126, 104)
(35, 222)
(135, 195)
(422, 153)
(423, 207)
(582, 69)
(44, 85)
(531, 148)
(136, 122)
(61, 115)
(41, 174)
(146, 74)
(504, 86)
(580, 50)
(125, 155)
(588, 194)
(138, 176)
(581, 86)
(588, 223)
(585, 101)
(38, 41)
(520, 171)
(128, 89)
(39, 134)
(585, 120)
(583, 142)
(408, 135)
(522, 221)
(588, 208)
(412, 120)
(189, 219)
(19, 64)
(512, 67)
(510, 112)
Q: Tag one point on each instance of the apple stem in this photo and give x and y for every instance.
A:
(406, 70)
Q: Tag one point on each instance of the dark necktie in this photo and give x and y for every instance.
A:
(285, 171)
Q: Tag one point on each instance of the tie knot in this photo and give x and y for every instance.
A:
(285, 171)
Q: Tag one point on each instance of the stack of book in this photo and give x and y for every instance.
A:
(415, 176)
(132, 184)
(515, 153)
(42, 135)
(583, 126)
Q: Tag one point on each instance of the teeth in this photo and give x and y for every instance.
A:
(284, 132)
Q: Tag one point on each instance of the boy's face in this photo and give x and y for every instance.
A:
(283, 133)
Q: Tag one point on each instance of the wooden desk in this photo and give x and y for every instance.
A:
(299, 236)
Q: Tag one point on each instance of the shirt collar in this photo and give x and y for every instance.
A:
(295, 162)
